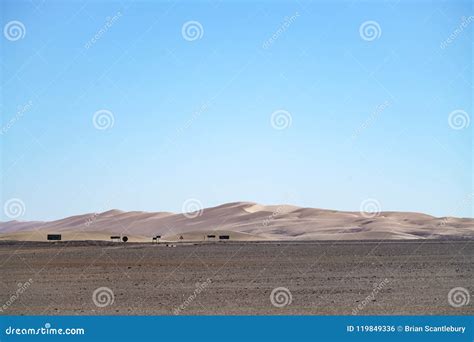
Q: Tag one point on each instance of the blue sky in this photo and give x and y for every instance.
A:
(192, 117)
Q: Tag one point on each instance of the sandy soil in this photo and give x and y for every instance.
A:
(324, 278)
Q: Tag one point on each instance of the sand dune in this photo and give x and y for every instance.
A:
(247, 221)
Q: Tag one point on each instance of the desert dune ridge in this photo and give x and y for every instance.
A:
(244, 221)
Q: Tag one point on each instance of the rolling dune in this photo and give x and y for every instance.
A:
(246, 221)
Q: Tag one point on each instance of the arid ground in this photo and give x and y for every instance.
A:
(322, 278)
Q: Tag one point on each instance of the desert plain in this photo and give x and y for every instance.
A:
(278, 260)
(237, 278)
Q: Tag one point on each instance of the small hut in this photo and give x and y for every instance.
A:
(54, 237)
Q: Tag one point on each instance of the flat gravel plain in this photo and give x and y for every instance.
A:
(284, 278)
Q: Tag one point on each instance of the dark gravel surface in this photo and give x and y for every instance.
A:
(322, 278)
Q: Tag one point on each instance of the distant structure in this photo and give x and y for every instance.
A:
(213, 237)
(181, 237)
(156, 238)
(117, 238)
(54, 237)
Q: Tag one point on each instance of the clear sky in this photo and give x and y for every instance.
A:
(366, 89)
